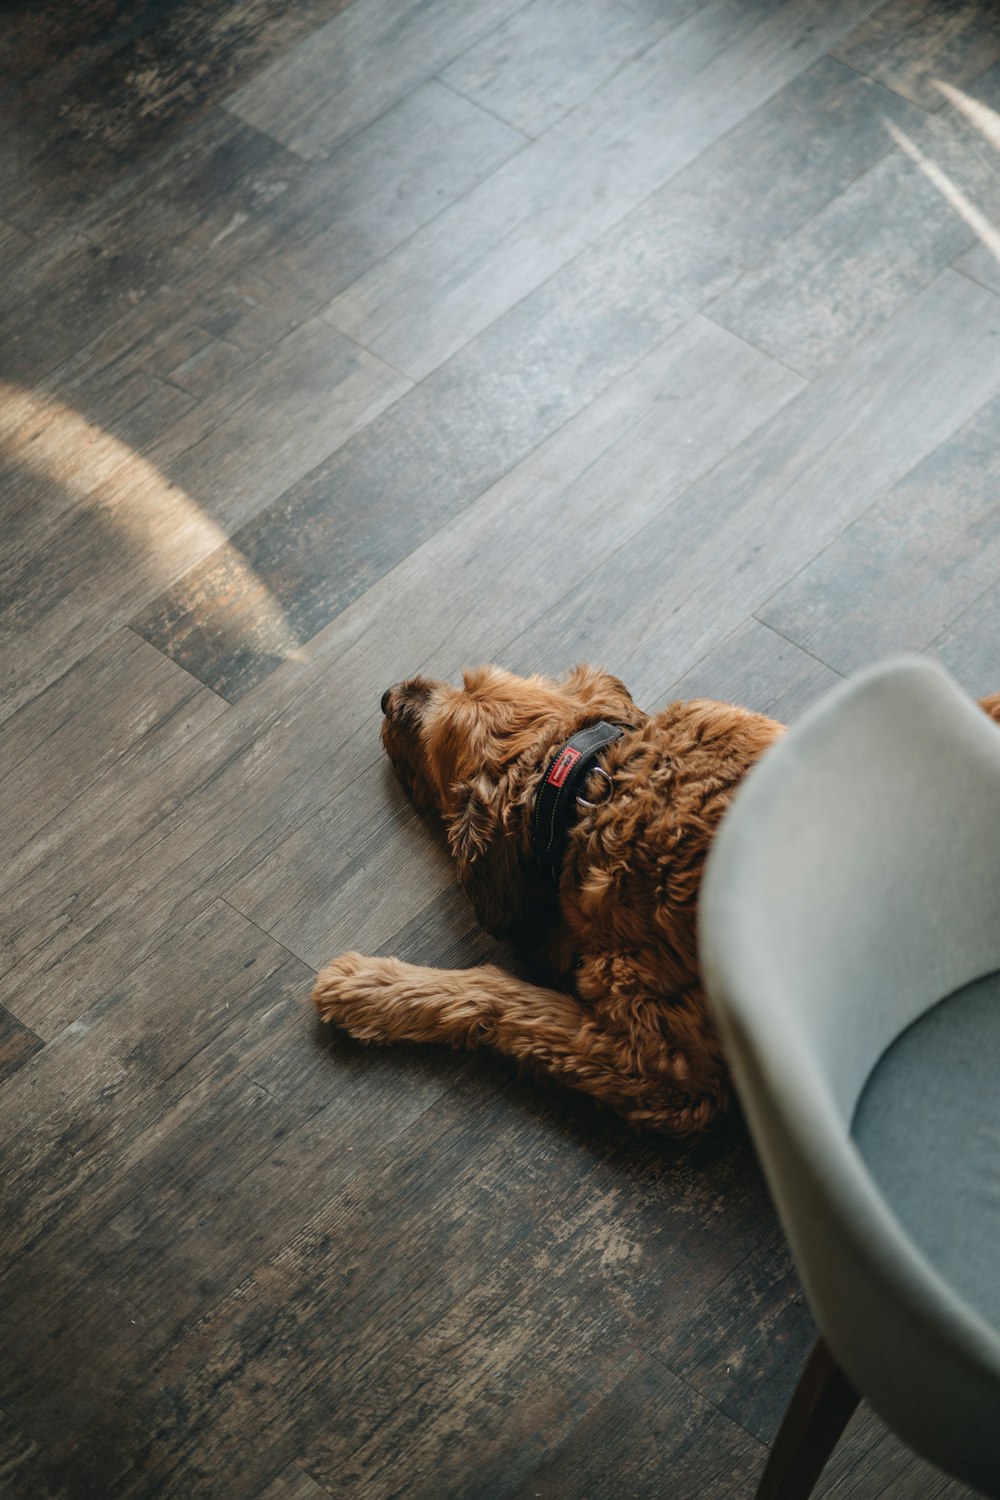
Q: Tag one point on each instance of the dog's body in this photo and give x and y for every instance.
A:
(623, 1016)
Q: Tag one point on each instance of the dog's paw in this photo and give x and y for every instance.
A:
(348, 992)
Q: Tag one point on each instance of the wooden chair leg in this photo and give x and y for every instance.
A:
(817, 1414)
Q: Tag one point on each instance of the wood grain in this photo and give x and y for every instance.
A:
(156, 264)
(914, 47)
(12, 242)
(877, 243)
(102, 728)
(549, 55)
(744, 1347)
(164, 278)
(870, 1457)
(982, 264)
(347, 211)
(293, 1484)
(689, 240)
(759, 669)
(97, 89)
(183, 1098)
(671, 592)
(743, 1350)
(454, 1287)
(311, 891)
(541, 209)
(244, 1254)
(155, 224)
(52, 456)
(651, 1435)
(17, 1044)
(20, 1460)
(631, 288)
(222, 461)
(348, 72)
(403, 478)
(311, 730)
(967, 647)
(909, 567)
(104, 1068)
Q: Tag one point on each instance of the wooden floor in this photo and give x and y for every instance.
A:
(339, 341)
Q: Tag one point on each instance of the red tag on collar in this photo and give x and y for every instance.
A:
(564, 764)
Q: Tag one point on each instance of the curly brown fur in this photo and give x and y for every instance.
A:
(624, 1017)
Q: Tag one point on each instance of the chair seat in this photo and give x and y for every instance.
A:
(928, 1127)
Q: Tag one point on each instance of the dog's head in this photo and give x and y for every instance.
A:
(474, 754)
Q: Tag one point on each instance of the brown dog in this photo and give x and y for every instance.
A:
(602, 890)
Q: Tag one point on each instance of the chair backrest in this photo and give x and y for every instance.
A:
(854, 883)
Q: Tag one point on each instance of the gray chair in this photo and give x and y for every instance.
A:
(850, 935)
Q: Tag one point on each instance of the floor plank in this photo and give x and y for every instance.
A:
(982, 262)
(12, 242)
(444, 1198)
(621, 299)
(252, 781)
(650, 1432)
(910, 566)
(536, 213)
(913, 48)
(759, 669)
(20, 1459)
(165, 1137)
(17, 1044)
(549, 56)
(304, 891)
(102, 727)
(190, 318)
(967, 647)
(786, 492)
(133, 238)
(114, 1072)
(98, 87)
(743, 1350)
(875, 245)
(293, 1484)
(401, 479)
(744, 1347)
(295, 246)
(352, 208)
(869, 1458)
(242, 1254)
(358, 65)
(513, 1411)
(158, 514)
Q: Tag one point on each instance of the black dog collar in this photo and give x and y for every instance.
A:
(556, 799)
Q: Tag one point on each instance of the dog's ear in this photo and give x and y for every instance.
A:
(486, 856)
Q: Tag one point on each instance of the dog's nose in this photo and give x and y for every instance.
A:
(385, 700)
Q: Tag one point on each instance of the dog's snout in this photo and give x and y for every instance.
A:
(404, 701)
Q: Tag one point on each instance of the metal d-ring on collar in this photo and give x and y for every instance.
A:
(558, 798)
(609, 784)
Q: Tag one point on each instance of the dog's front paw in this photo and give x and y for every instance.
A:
(353, 991)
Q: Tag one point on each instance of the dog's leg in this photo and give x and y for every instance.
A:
(384, 1000)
